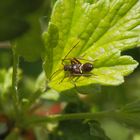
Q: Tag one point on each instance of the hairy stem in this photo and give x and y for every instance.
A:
(15, 78)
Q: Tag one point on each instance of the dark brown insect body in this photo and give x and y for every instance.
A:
(77, 68)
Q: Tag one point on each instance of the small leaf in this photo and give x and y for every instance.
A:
(79, 130)
(102, 30)
(133, 107)
(6, 80)
(14, 135)
(129, 114)
(97, 131)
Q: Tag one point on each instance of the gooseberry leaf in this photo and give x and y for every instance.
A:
(102, 30)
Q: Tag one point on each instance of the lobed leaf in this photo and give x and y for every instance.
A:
(101, 29)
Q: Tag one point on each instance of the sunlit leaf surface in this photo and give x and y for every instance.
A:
(101, 30)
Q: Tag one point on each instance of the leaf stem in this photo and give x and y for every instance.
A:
(73, 116)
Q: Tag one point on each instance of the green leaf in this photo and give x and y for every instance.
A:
(30, 45)
(97, 131)
(79, 130)
(50, 41)
(129, 114)
(101, 30)
(14, 135)
(6, 80)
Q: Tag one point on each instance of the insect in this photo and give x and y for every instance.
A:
(76, 67)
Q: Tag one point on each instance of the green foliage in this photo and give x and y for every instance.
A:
(102, 30)
(30, 45)
(12, 136)
(12, 26)
(79, 130)
(97, 131)
(130, 114)
(6, 80)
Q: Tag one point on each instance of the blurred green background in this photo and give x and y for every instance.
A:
(107, 98)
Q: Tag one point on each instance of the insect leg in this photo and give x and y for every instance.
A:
(62, 80)
(72, 60)
(76, 60)
(71, 49)
(51, 77)
(66, 75)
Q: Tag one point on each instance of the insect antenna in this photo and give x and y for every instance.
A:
(64, 59)
(87, 59)
(71, 50)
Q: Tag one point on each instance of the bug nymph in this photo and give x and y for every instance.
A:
(77, 68)
(74, 68)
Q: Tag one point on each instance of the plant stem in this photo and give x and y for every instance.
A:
(15, 78)
(73, 116)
